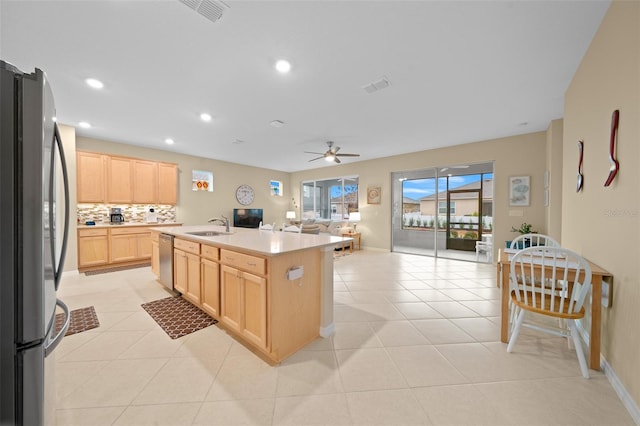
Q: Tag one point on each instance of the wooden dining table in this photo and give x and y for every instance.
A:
(597, 276)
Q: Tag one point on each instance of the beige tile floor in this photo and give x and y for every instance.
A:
(416, 343)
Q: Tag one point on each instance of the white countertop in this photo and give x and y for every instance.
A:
(253, 240)
(127, 224)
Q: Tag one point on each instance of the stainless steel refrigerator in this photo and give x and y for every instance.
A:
(31, 254)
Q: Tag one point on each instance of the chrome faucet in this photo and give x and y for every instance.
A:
(224, 220)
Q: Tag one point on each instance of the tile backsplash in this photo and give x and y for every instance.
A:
(135, 213)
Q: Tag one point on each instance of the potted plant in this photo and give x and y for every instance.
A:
(525, 228)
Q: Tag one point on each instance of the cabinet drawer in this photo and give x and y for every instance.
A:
(243, 261)
(129, 231)
(92, 232)
(188, 246)
(210, 252)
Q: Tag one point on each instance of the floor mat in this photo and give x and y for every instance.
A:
(82, 319)
(177, 317)
(116, 269)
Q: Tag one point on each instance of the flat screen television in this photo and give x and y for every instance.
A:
(247, 218)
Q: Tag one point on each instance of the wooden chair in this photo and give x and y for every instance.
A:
(267, 227)
(531, 240)
(567, 278)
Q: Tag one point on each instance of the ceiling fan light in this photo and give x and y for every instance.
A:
(330, 158)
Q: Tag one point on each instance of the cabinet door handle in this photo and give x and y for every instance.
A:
(251, 264)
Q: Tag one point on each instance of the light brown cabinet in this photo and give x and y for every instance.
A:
(91, 172)
(145, 182)
(111, 179)
(93, 247)
(155, 253)
(210, 280)
(186, 269)
(102, 247)
(167, 183)
(129, 244)
(119, 180)
(243, 297)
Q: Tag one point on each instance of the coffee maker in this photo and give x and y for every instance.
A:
(116, 215)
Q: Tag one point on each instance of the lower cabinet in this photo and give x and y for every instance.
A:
(93, 247)
(104, 246)
(243, 304)
(130, 244)
(155, 257)
(186, 280)
(210, 279)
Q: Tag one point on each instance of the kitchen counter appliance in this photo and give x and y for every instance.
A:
(116, 215)
(33, 246)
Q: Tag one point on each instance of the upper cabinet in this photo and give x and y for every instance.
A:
(167, 183)
(110, 179)
(145, 182)
(119, 180)
(91, 177)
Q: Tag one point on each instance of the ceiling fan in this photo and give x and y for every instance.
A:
(331, 154)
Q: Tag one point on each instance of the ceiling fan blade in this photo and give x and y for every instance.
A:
(311, 152)
(336, 149)
(317, 158)
(336, 160)
(349, 155)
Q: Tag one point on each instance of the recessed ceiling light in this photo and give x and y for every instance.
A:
(238, 141)
(283, 66)
(277, 124)
(96, 84)
(84, 125)
(205, 117)
(169, 141)
(524, 123)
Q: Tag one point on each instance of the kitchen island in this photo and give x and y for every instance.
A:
(272, 290)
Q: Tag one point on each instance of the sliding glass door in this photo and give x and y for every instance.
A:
(442, 211)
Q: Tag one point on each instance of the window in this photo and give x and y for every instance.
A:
(442, 207)
(331, 199)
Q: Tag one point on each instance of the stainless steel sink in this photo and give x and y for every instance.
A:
(206, 233)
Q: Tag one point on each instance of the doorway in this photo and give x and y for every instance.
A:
(442, 211)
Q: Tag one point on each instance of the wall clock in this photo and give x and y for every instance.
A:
(245, 195)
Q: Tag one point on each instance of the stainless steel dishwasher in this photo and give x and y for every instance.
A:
(166, 260)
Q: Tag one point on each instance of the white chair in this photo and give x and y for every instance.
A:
(292, 228)
(485, 246)
(267, 227)
(530, 240)
(567, 278)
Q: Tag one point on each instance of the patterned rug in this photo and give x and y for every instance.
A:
(82, 319)
(177, 317)
(116, 269)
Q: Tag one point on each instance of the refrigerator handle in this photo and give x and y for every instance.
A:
(65, 326)
(57, 271)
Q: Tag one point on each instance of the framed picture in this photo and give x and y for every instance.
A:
(373, 195)
(276, 188)
(519, 190)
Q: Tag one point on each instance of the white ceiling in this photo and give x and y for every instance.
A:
(459, 71)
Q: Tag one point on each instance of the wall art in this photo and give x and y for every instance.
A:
(519, 190)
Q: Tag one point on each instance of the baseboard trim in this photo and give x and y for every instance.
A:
(328, 330)
(617, 385)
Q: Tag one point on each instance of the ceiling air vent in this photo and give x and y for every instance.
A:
(212, 10)
(380, 84)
